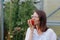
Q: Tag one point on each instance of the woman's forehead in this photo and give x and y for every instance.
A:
(35, 14)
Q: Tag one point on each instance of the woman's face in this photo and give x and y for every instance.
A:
(36, 18)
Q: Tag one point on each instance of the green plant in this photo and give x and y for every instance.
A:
(16, 15)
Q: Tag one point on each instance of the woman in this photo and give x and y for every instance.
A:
(39, 31)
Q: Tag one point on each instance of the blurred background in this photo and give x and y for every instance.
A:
(15, 13)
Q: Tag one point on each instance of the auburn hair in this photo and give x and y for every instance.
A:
(42, 19)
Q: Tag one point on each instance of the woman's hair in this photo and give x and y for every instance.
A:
(42, 19)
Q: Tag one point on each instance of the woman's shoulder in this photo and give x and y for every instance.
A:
(28, 29)
(50, 32)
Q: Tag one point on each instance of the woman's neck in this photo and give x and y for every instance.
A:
(38, 30)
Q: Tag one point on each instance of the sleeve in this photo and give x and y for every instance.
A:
(51, 35)
(27, 34)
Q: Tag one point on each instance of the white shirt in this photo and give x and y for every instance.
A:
(48, 35)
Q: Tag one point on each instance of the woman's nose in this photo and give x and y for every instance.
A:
(33, 18)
